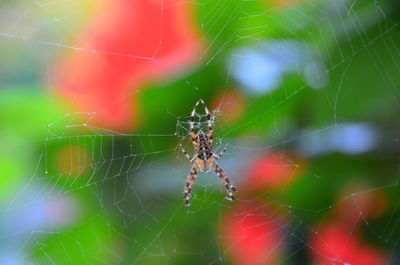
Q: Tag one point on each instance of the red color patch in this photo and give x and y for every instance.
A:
(271, 171)
(250, 236)
(335, 245)
(127, 43)
(232, 106)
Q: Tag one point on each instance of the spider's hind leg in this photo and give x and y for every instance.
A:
(190, 180)
(230, 189)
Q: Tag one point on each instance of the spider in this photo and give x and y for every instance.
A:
(204, 159)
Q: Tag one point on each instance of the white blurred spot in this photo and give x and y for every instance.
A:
(352, 138)
(261, 68)
(63, 210)
(256, 72)
(348, 138)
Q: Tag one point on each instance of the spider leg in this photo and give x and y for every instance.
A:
(218, 156)
(191, 124)
(183, 150)
(210, 128)
(224, 179)
(190, 180)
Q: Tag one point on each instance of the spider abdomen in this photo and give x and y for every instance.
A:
(204, 149)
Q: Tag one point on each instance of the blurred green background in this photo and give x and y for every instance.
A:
(305, 94)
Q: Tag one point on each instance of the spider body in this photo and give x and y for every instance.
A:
(204, 159)
(203, 147)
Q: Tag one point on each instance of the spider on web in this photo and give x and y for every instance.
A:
(204, 159)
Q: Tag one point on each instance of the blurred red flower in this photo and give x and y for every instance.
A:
(271, 171)
(126, 44)
(251, 235)
(359, 202)
(334, 244)
(232, 105)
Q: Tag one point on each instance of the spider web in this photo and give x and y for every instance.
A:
(85, 194)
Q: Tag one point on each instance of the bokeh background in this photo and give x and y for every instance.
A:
(95, 97)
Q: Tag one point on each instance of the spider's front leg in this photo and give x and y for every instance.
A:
(190, 180)
(209, 122)
(183, 150)
(230, 189)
